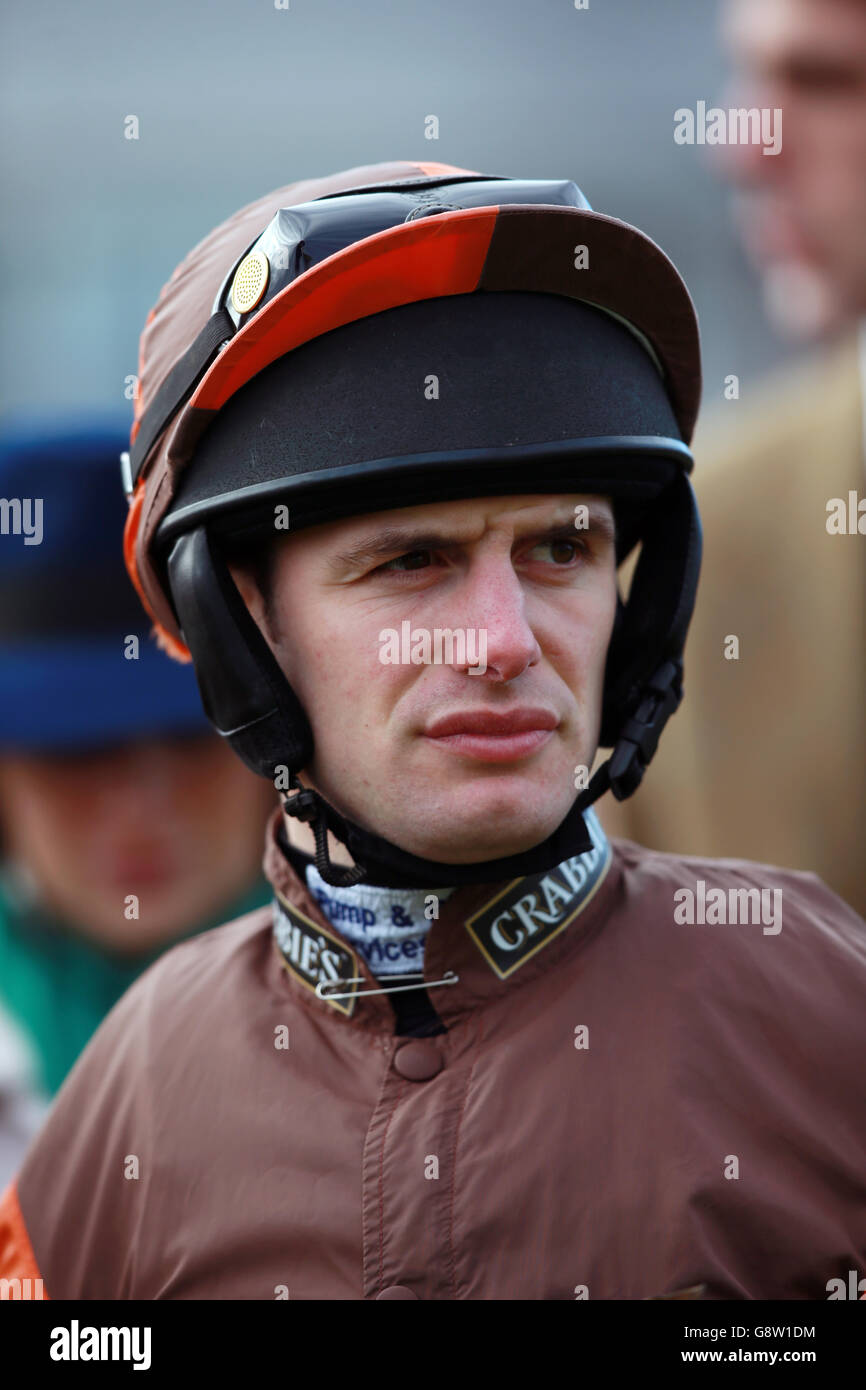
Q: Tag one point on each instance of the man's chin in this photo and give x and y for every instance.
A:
(468, 822)
(463, 854)
(465, 841)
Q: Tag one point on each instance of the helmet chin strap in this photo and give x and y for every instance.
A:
(306, 805)
(379, 862)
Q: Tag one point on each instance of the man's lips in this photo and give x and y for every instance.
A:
(493, 735)
(493, 722)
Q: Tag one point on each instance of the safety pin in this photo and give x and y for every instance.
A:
(449, 978)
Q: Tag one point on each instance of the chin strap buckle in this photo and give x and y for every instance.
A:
(640, 735)
(302, 805)
(306, 805)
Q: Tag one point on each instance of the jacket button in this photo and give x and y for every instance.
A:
(418, 1061)
(397, 1291)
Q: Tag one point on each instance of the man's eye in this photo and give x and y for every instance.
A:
(562, 552)
(826, 80)
(412, 560)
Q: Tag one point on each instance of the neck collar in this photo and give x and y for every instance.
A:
(489, 937)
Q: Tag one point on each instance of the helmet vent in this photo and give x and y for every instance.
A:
(250, 282)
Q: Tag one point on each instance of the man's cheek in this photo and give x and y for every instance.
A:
(361, 691)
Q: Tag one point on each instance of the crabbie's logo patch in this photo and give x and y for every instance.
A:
(312, 954)
(527, 914)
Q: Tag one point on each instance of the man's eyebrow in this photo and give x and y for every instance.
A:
(392, 541)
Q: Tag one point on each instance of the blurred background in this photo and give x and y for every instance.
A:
(234, 97)
(102, 795)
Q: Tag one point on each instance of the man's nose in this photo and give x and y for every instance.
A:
(744, 163)
(142, 772)
(491, 608)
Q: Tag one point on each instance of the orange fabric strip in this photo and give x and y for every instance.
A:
(19, 1272)
(417, 260)
(130, 536)
(164, 639)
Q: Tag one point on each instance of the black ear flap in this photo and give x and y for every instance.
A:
(650, 630)
(245, 694)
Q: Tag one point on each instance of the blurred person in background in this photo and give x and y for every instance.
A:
(739, 771)
(125, 823)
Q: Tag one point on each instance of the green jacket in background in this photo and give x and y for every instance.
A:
(57, 986)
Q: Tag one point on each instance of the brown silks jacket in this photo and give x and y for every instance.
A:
(621, 1105)
(766, 756)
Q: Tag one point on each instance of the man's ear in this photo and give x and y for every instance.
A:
(251, 595)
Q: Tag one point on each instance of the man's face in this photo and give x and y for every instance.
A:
(178, 823)
(803, 212)
(449, 765)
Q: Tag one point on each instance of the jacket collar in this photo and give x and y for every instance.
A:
(492, 937)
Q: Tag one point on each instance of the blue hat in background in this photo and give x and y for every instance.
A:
(67, 606)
